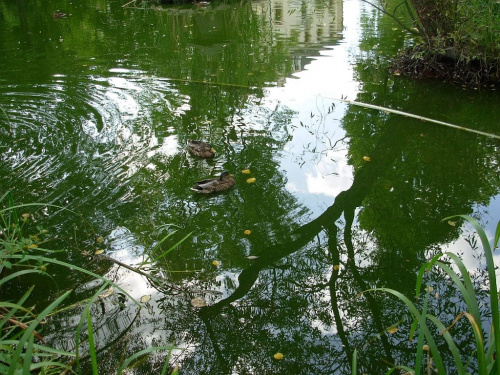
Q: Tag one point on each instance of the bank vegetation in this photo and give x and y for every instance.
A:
(457, 40)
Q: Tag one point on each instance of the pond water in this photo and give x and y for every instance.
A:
(96, 107)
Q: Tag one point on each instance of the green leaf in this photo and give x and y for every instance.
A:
(134, 356)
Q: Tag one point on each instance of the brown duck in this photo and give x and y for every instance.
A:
(201, 149)
(213, 185)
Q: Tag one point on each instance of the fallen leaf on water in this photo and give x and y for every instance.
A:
(392, 330)
(252, 257)
(245, 171)
(251, 180)
(452, 223)
(99, 239)
(366, 158)
(216, 263)
(146, 298)
(247, 231)
(107, 293)
(97, 252)
(198, 302)
(278, 356)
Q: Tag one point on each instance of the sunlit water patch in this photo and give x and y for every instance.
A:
(102, 130)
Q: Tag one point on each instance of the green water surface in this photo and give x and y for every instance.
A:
(96, 107)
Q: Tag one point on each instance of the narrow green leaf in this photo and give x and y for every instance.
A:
(490, 265)
(90, 333)
(80, 269)
(497, 236)
(28, 355)
(171, 248)
(18, 274)
(423, 326)
(134, 356)
(420, 342)
(29, 331)
(354, 362)
(451, 344)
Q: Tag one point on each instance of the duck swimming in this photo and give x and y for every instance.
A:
(201, 149)
(213, 185)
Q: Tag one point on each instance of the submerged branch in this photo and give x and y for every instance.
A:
(153, 279)
(407, 114)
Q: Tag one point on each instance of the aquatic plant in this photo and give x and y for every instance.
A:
(428, 352)
(458, 40)
(22, 348)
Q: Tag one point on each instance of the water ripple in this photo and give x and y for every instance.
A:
(81, 141)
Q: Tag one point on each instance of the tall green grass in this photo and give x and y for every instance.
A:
(23, 350)
(425, 324)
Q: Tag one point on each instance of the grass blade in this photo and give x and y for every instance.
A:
(490, 265)
(423, 327)
(354, 362)
(29, 331)
(451, 344)
(171, 248)
(134, 356)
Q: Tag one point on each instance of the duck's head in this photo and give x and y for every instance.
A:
(224, 176)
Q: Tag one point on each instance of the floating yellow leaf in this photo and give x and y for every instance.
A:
(392, 330)
(107, 293)
(251, 180)
(198, 302)
(366, 158)
(452, 223)
(245, 171)
(247, 231)
(146, 298)
(358, 295)
(336, 267)
(278, 356)
(99, 239)
(215, 263)
(97, 252)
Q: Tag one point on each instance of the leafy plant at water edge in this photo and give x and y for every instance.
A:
(487, 345)
(18, 351)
